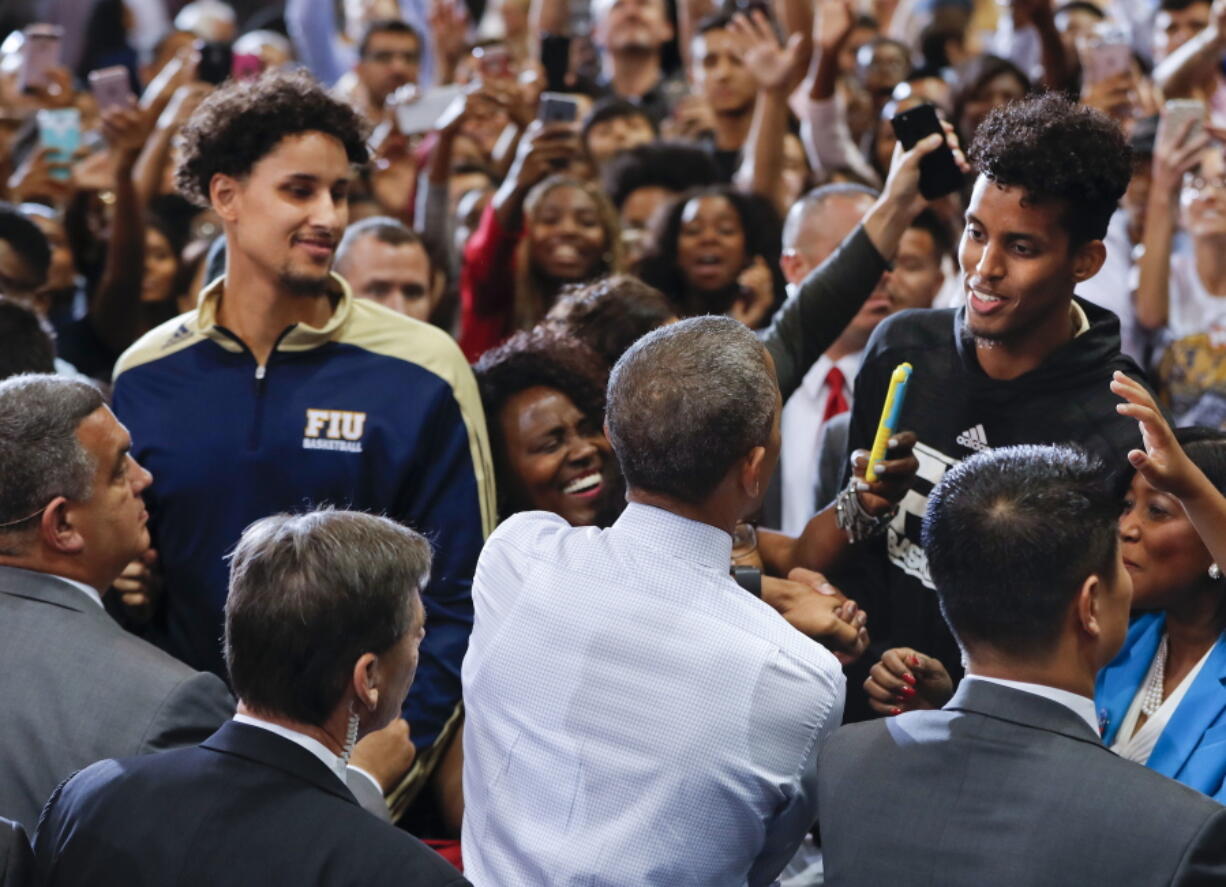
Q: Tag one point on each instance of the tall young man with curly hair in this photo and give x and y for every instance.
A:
(1021, 360)
(281, 391)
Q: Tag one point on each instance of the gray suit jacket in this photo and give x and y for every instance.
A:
(77, 688)
(1005, 788)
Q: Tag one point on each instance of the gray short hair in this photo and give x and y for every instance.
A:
(384, 229)
(812, 201)
(40, 455)
(687, 401)
(309, 594)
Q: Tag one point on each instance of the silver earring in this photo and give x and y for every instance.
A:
(1215, 572)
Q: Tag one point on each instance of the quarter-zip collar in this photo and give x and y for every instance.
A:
(298, 337)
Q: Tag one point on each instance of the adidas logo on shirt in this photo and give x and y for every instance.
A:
(974, 439)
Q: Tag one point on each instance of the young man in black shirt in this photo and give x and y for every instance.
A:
(1021, 360)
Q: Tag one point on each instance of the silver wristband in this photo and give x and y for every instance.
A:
(852, 519)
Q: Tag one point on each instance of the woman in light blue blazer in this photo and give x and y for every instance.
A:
(1162, 700)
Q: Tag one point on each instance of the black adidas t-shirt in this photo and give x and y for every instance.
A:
(957, 410)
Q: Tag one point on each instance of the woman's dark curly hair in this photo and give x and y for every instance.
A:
(532, 358)
(242, 121)
(1054, 149)
(610, 314)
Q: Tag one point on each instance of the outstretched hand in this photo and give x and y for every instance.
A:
(902, 185)
(895, 474)
(907, 680)
(1162, 462)
(776, 68)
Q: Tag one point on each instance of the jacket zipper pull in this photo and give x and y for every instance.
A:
(260, 372)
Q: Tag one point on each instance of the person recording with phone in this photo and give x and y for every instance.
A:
(544, 229)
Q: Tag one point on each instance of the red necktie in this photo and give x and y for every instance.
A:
(836, 399)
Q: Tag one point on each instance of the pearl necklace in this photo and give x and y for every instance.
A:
(1154, 694)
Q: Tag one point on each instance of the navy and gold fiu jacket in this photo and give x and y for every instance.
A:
(373, 411)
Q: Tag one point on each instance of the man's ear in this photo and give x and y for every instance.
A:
(58, 528)
(223, 195)
(1089, 605)
(752, 465)
(1088, 260)
(366, 681)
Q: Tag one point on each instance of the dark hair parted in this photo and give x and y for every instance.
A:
(674, 166)
(244, 120)
(610, 315)
(1056, 150)
(25, 346)
(529, 359)
(309, 595)
(27, 241)
(686, 402)
(1206, 447)
(1011, 535)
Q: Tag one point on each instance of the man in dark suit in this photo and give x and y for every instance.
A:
(14, 854)
(1009, 783)
(76, 687)
(323, 623)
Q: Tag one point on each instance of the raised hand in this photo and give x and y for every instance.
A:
(1176, 152)
(758, 288)
(775, 67)
(1163, 463)
(894, 475)
(907, 680)
(833, 24)
(817, 609)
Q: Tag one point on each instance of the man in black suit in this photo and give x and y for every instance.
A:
(76, 687)
(323, 623)
(1009, 783)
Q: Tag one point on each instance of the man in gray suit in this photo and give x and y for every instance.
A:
(76, 688)
(1009, 783)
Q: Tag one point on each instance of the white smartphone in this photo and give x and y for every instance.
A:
(39, 54)
(111, 87)
(1175, 115)
(420, 115)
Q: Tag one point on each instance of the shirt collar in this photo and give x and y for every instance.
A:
(300, 337)
(1082, 706)
(675, 535)
(1081, 323)
(88, 590)
(310, 743)
(849, 364)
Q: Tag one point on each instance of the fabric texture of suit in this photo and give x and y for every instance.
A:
(14, 854)
(1007, 788)
(245, 808)
(77, 688)
(1192, 748)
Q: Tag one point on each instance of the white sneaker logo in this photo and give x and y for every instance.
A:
(974, 439)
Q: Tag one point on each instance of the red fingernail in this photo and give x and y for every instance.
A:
(915, 661)
(907, 692)
(909, 678)
(895, 711)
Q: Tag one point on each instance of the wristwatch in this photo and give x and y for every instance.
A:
(749, 578)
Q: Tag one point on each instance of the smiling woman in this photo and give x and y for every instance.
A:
(544, 406)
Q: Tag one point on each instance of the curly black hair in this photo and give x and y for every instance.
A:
(531, 358)
(242, 121)
(1057, 150)
(611, 314)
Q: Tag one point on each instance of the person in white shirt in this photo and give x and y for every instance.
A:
(634, 716)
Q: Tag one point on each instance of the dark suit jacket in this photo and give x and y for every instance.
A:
(14, 854)
(77, 688)
(1006, 788)
(246, 808)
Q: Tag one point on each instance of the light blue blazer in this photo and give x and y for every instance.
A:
(1192, 748)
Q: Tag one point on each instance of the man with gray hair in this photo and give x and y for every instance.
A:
(624, 668)
(76, 687)
(323, 623)
(386, 262)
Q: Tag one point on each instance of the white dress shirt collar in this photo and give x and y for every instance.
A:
(310, 743)
(815, 380)
(88, 590)
(675, 535)
(1082, 706)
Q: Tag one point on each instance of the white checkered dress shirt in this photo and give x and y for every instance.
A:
(633, 716)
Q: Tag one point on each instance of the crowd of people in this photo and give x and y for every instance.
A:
(442, 442)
